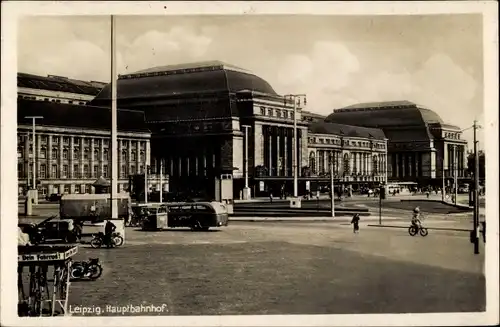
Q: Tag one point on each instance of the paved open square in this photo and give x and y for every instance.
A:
(286, 268)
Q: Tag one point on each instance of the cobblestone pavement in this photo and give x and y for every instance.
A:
(286, 268)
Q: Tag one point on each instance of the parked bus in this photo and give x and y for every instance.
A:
(197, 216)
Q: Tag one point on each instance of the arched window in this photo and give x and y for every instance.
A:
(133, 156)
(124, 155)
(375, 164)
(142, 156)
(76, 153)
(96, 154)
(86, 154)
(105, 154)
(65, 153)
(312, 162)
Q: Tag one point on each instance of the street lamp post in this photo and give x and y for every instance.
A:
(246, 189)
(455, 172)
(114, 132)
(332, 187)
(476, 192)
(296, 100)
(34, 118)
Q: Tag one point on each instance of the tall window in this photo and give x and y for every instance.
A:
(86, 153)
(54, 172)
(85, 171)
(133, 156)
(124, 155)
(65, 154)
(142, 156)
(123, 171)
(105, 154)
(96, 171)
(65, 171)
(105, 171)
(66, 140)
(312, 162)
(346, 164)
(55, 153)
(43, 171)
(96, 154)
(43, 153)
(20, 168)
(76, 171)
(76, 153)
(375, 165)
(132, 170)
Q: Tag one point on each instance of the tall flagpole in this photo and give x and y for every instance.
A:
(114, 141)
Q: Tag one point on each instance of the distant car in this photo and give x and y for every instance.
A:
(53, 197)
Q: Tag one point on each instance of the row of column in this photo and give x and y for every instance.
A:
(407, 164)
(355, 163)
(76, 166)
(278, 150)
(456, 157)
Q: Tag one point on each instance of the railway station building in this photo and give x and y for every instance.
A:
(422, 148)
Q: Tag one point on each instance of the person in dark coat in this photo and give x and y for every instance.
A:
(355, 223)
(109, 228)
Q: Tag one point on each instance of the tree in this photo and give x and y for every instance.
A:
(471, 164)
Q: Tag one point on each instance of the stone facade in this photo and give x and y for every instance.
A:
(70, 160)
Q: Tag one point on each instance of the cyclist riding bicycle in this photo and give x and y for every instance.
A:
(416, 218)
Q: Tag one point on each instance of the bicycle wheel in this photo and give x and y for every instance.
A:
(412, 230)
(118, 240)
(424, 231)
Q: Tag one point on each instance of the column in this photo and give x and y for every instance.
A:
(129, 153)
(278, 157)
(26, 156)
(38, 150)
(270, 148)
(71, 153)
(147, 153)
(101, 157)
(60, 159)
(49, 156)
(285, 151)
(82, 160)
(138, 156)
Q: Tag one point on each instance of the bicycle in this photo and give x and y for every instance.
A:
(414, 229)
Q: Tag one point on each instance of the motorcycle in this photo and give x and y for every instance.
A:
(98, 240)
(414, 229)
(90, 269)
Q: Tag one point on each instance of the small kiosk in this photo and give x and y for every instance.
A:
(44, 279)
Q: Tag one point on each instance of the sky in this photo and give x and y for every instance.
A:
(433, 60)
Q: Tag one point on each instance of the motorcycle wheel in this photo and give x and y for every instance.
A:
(424, 231)
(118, 240)
(76, 271)
(412, 230)
(95, 271)
(96, 243)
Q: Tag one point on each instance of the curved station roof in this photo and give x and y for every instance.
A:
(193, 78)
(401, 121)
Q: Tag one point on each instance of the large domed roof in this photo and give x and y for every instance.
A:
(385, 114)
(184, 79)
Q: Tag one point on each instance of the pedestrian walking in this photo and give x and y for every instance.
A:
(271, 197)
(355, 223)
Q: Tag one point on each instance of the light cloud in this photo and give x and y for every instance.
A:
(156, 48)
(335, 65)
